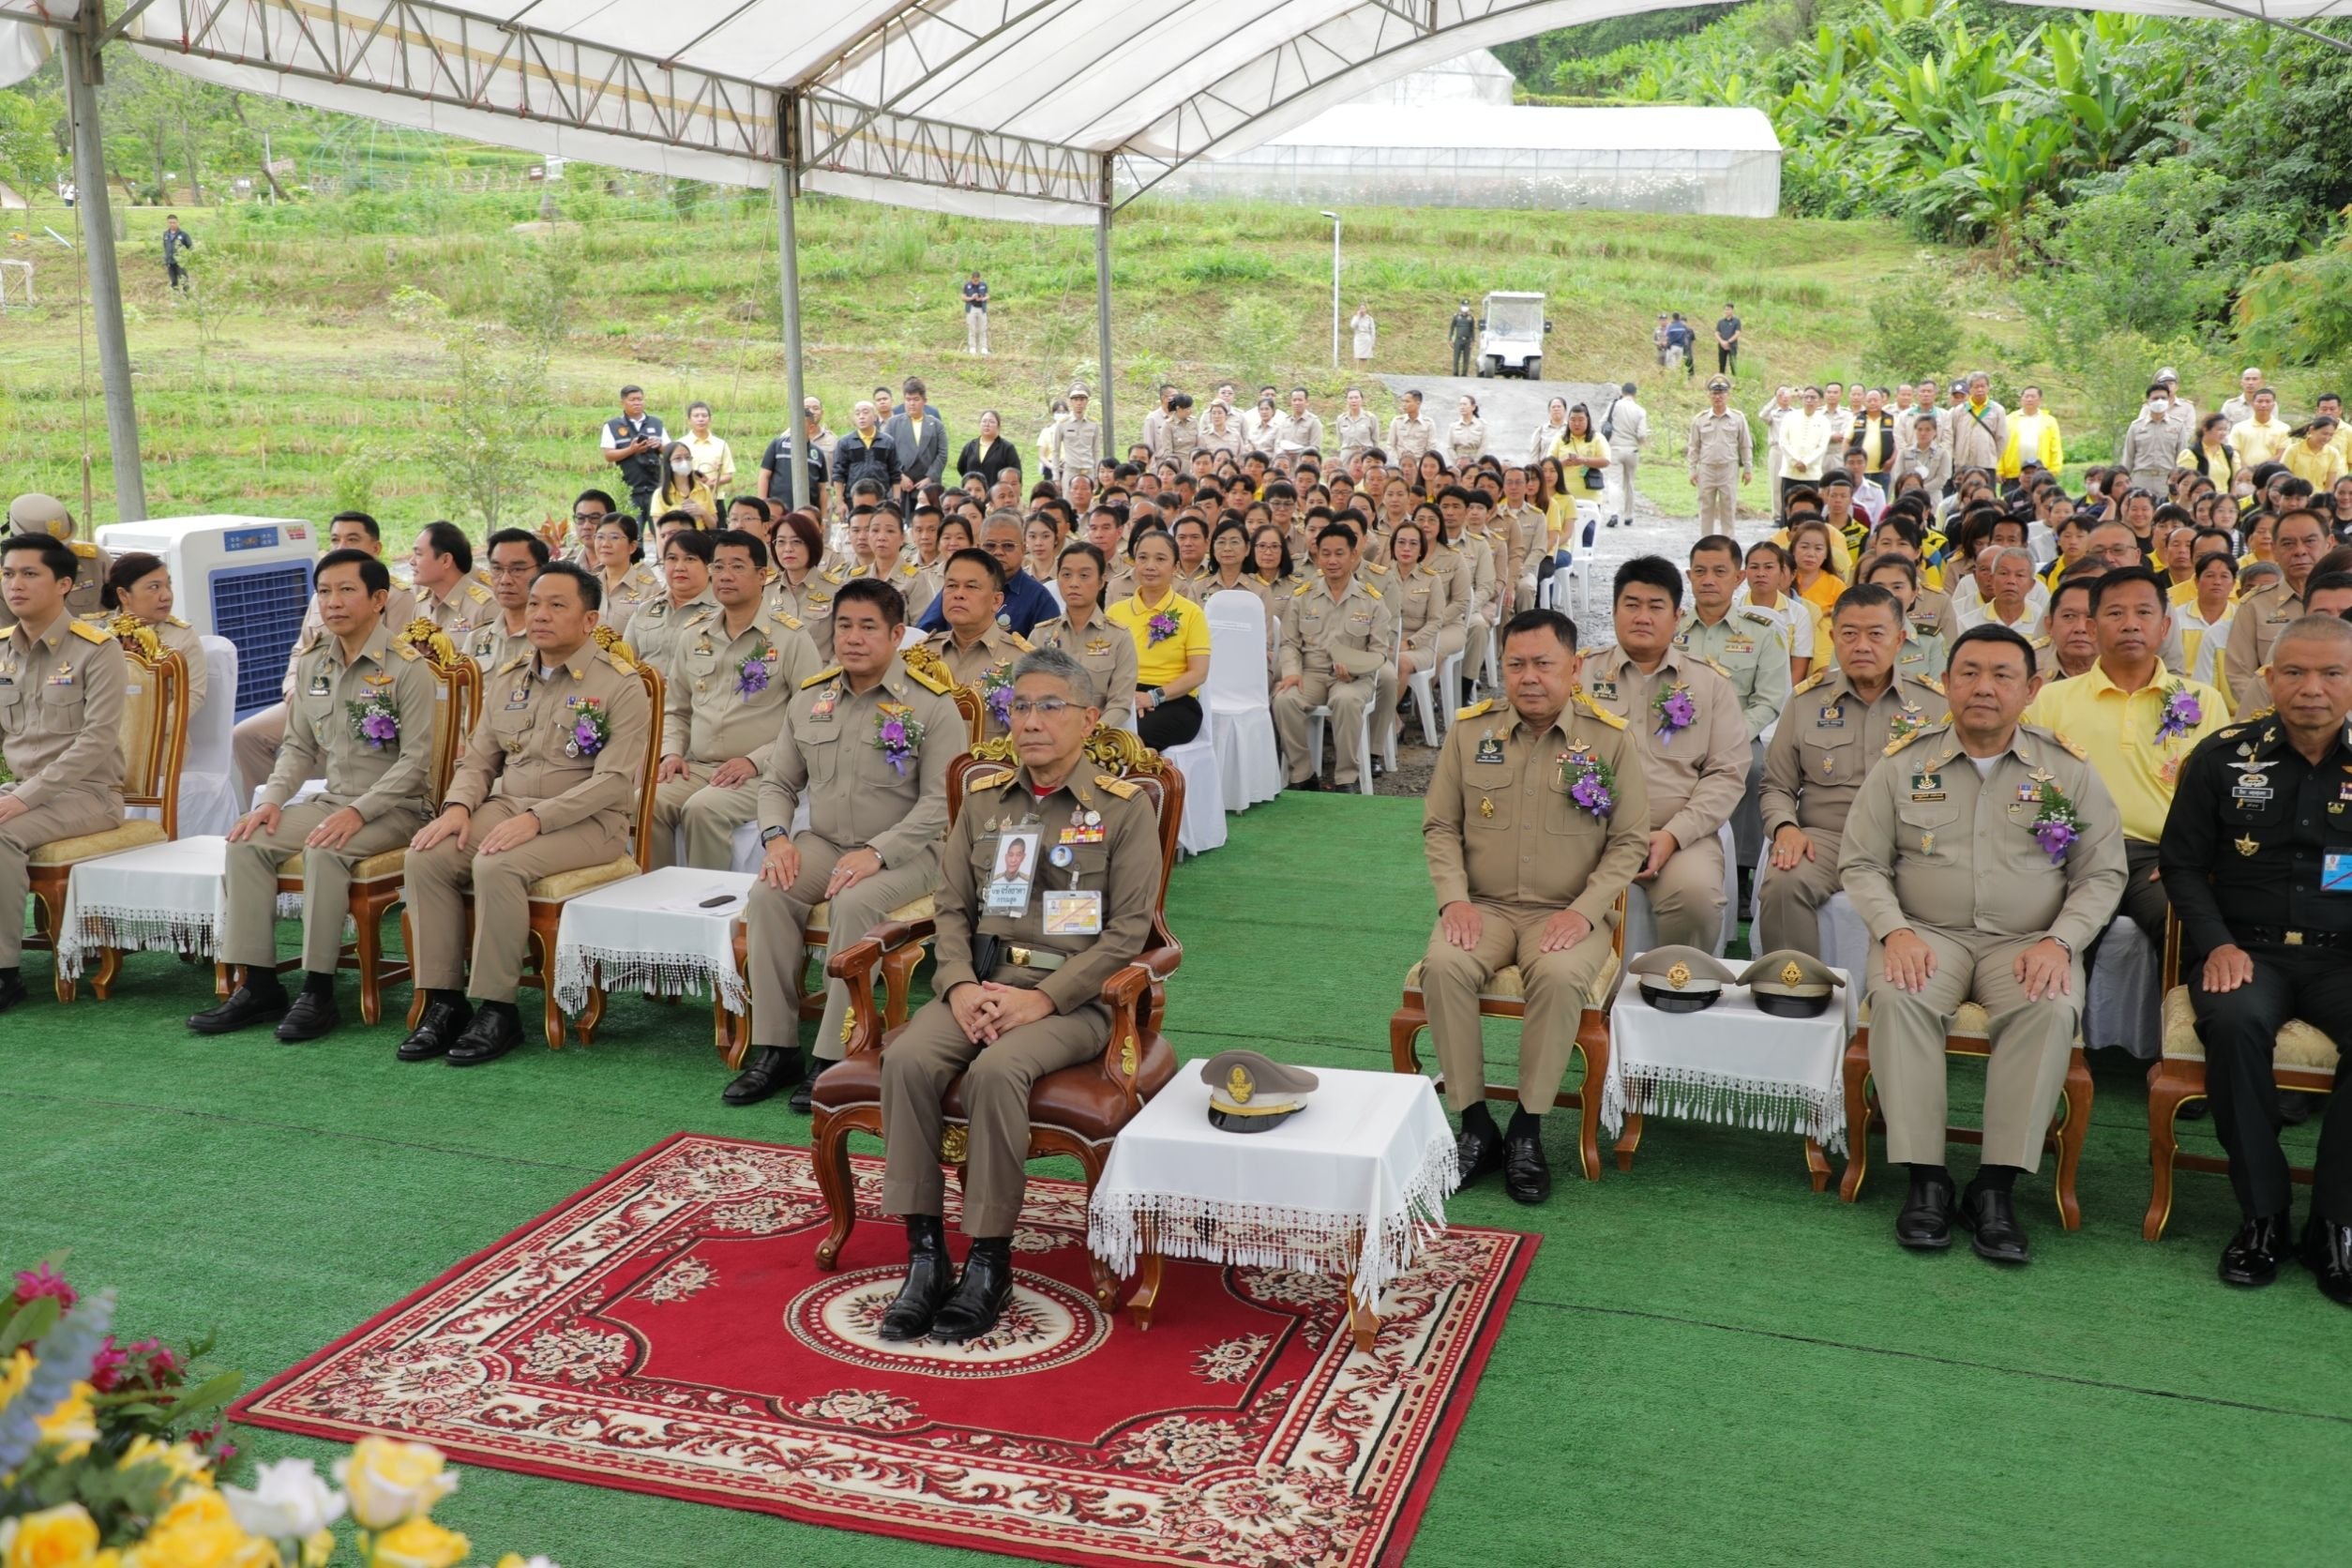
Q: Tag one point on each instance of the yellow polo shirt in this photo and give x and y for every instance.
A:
(2119, 730)
(1158, 663)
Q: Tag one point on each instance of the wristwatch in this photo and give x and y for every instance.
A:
(769, 835)
(2063, 944)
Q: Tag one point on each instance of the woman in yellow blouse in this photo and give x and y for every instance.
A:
(1171, 644)
(681, 487)
(1582, 452)
(2313, 456)
(1809, 542)
(2212, 456)
(2205, 622)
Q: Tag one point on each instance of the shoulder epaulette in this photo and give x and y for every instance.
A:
(2080, 755)
(404, 651)
(1021, 642)
(1378, 568)
(1476, 710)
(2259, 714)
(515, 663)
(1713, 666)
(2040, 640)
(832, 575)
(1124, 788)
(1809, 683)
(1369, 589)
(1901, 741)
(620, 658)
(1759, 617)
(178, 622)
(1584, 700)
(821, 677)
(476, 591)
(82, 547)
(992, 780)
(88, 633)
(792, 621)
(923, 676)
(1302, 588)
(1931, 684)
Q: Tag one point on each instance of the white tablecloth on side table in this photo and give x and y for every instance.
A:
(156, 899)
(1731, 1063)
(651, 933)
(1351, 1184)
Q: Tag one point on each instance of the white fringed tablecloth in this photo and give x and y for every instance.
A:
(1350, 1185)
(158, 898)
(1731, 1063)
(651, 933)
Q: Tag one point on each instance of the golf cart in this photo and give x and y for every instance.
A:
(1511, 336)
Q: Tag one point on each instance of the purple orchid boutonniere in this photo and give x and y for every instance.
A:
(1675, 711)
(898, 735)
(2057, 824)
(592, 727)
(1160, 627)
(2182, 712)
(375, 720)
(751, 675)
(1590, 782)
(996, 689)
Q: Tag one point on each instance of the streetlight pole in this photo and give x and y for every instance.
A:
(1334, 288)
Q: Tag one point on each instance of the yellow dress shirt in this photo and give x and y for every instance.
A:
(2119, 730)
(2257, 444)
(2320, 469)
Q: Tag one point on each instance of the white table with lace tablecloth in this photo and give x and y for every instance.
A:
(668, 933)
(1732, 1063)
(163, 897)
(1350, 1185)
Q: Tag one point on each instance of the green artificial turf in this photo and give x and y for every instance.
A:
(1709, 1363)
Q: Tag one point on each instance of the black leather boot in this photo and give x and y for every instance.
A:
(930, 1276)
(980, 1294)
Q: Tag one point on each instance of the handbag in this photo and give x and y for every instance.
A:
(1592, 480)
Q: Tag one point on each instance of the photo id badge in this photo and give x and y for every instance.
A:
(1015, 874)
(2335, 872)
(1074, 914)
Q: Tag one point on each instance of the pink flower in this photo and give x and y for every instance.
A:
(106, 1368)
(33, 1284)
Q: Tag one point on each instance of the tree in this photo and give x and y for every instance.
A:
(1913, 324)
(32, 132)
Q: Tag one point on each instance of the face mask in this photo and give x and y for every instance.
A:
(682, 465)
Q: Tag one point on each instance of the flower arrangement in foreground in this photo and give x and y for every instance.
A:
(102, 1463)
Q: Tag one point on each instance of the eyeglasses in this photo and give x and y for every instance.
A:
(590, 517)
(1044, 707)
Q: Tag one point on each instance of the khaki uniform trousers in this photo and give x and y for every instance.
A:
(439, 877)
(1554, 983)
(776, 949)
(254, 744)
(249, 922)
(85, 810)
(917, 1069)
(710, 815)
(1347, 699)
(976, 331)
(1686, 898)
(1718, 497)
(1620, 471)
(1788, 904)
(1475, 645)
(2032, 1042)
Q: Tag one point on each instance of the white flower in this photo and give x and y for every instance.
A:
(290, 1502)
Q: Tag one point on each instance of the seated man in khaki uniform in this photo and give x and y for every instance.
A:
(1984, 856)
(1692, 736)
(1841, 720)
(730, 672)
(361, 718)
(1336, 638)
(1019, 979)
(61, 715)
(866, 744)
(548, 784)
(977, 648)
(1537, 818)
(513, 557)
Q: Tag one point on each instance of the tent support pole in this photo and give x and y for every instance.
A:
(1102, 316)
(83, 72)
(787, 272)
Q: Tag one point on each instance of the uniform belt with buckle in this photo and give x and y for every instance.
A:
(1033, 958)
(2274, 936)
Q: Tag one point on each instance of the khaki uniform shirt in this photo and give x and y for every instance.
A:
(1827, 742)
(1931, 615)
(1408, 439)
(467, 606)
(993, 654)
(1698, 775)
(1501, 827)
(653, 631)
(829, 747)
(1349, 638)
(913, 583)
(1357, 432)
(525, 748)
(1932, 463)
(1424, 600)
(1123, 865)
(1752, 647)
(399, 608)
(1721, 442)
(726, 695)
(2261, 616)
(1106, 651)
(1296, 434)
(61, 710)
(323, 738)
(1078, 448)
(1977, 435)
(1524, 529)
(639, 587)
(1928, 843)
(812, 603)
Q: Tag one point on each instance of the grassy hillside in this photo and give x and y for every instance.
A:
(291, 386)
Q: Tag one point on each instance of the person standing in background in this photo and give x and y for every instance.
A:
(1680, 341)
(1722, 454)
(633, 442)
(1463, 331)
(1728, 342)
(976, 315)
(176, 240)
(1366, 333)
(1628, 433)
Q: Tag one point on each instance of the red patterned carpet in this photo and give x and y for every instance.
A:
(668, 1330)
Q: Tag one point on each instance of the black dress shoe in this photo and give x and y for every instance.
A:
(801, 1103)
(1991, 1221)
(312, 1017)
(436, 1031)
(1479, 1151)
(243, 1010)
(1525, 1175)
(1924, 1222)
(11, 991)
(771, 1070)
(2328, 1248)
(930, 1280)
(980, 1295)
(1309, 785)
(2295, 1110)
(2253, 1255)
(489, 1036)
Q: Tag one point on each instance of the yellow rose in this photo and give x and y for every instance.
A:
(186, 1466)
(15, 1373)
(198, 1506)
(71, 1427)
(52, 1538)
(419, 1543)
(389, 1481)
(192, 1539)
(316, 1551)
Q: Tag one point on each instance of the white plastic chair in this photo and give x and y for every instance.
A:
(1319, 716)
(1203, 825)
(1424, 686)
(1641, 926)
(1240, 715)
(208, 787)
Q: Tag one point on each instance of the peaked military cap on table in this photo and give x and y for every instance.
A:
(1249, 1092)
(1790, 983)
(1680, 979)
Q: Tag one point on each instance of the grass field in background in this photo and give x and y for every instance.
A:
(297, 382)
